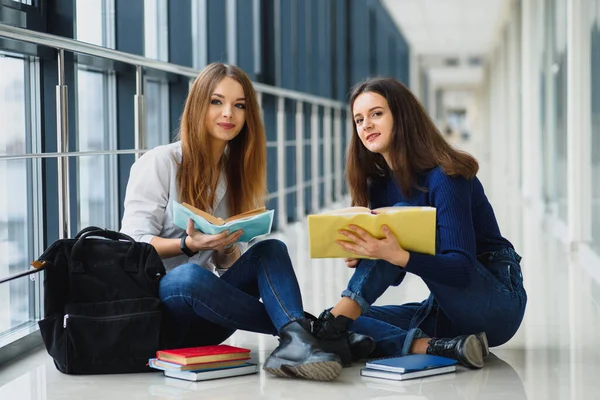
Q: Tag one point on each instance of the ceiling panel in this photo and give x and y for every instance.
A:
(460, 27)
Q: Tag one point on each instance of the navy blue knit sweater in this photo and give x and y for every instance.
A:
(466, 224)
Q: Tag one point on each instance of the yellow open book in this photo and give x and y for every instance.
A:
(414, 227)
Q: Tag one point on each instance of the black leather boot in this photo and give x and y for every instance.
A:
(466, 349)
(299, 354)
(485, 348)
(334, 337)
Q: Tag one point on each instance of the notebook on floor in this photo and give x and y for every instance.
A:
(408, 367)
(204, 375)
(169, 366)
(395, 376)
(410, 363)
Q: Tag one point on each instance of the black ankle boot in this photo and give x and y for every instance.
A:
(332, 333)
(299, 354)
(485, 348)
(465, 349)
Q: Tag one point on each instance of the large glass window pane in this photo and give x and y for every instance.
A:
(199, 34)
(156, 29)
(16, 245)
(595, 92)
(542, 50)
(559, 69)
(90, 21)
(157, 90)
(93, 183)
(157, 113)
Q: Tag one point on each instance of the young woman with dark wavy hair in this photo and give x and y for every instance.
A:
(397, 156)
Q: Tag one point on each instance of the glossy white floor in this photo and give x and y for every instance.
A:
(553, 356)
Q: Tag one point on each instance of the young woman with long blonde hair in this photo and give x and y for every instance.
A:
(219, 166)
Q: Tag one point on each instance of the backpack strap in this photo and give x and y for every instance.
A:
(131, 259)
(88, 229)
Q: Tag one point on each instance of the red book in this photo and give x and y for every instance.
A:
(203, 354)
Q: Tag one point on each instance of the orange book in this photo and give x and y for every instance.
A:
(203, 354)
(167, 365)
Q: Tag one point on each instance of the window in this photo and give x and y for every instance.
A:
(559, 71)
(595, 107)
(157, 113)
(199, 34)
(90, 21)
(156, 30)
(18, 204)
(95, 179)
(156, 94)
(96, 174)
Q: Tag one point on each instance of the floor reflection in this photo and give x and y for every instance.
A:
(553, 356)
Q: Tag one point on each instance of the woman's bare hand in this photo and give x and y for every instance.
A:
(351, 262)
(359, 241)
(197, 241)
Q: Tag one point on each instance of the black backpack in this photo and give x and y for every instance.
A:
(101, 307)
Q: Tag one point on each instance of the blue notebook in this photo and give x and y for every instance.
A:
(410, 363)
(395, 376)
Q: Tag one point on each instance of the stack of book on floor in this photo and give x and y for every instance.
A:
(204, 363)
(408, 367)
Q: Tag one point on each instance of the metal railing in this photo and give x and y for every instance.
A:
(332, 139)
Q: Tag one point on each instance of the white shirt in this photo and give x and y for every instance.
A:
(151, 191)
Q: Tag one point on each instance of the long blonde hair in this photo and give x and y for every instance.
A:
(245, 162)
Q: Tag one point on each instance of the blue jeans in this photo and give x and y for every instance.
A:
(204, 309)
(493, 302)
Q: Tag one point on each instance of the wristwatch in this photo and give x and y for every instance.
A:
(186, 250)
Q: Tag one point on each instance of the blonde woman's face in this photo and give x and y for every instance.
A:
(227, 110)
(374, 122)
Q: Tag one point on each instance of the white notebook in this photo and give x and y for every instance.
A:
(394, 376)
(195, 376)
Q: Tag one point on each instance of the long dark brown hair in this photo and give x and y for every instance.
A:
(416, 146)
(246, 161)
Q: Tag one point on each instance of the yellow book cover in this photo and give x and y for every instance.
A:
(414, 227)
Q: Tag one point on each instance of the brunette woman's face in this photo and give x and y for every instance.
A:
(374, 122)
(226, 114)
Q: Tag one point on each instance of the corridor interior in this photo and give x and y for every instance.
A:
(553, 356)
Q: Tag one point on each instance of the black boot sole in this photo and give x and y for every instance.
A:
(471, 353)
(315, 371)
(485, 348)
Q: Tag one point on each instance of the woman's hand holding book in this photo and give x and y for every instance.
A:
(197, 241)
(362, 243)
(351, 262)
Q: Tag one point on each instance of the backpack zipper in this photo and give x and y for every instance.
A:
(67, 316)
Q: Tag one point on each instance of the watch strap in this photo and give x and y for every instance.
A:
(186, 250)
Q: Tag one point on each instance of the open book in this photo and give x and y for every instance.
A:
(254, 223)
(414, 227)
